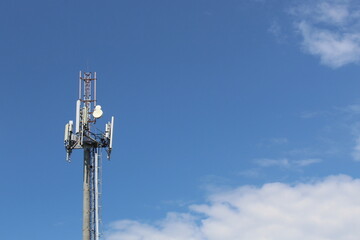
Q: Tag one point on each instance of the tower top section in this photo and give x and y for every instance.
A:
(84, 134)
(87, 92)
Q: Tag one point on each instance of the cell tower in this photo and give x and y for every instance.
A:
(86, 136)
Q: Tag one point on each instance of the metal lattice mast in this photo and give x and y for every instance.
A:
(86, 137)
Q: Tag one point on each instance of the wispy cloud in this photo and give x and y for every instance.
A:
(276, 30)
(313, 114)
(330, 12)
(271, 142)
(279, 141)
(330, 29)
(346, 120)
(267, 162)
(356, 150)
(302, 152)
(250, 173)
(286, 163)
(307, 162)
(352, 109)
(352, 112)
(273, 211)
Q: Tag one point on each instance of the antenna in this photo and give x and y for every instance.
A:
(91, 140)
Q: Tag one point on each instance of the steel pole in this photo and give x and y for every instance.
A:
(86, 194)
(96, 188)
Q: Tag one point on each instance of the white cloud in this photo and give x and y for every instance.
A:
(335, 49)
(175, 226)
(335, 12)
(323, 210)
(330, 29)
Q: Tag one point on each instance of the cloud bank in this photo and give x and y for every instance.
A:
(330, 29)
(324, 210)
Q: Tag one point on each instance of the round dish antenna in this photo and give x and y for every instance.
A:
(97, 112)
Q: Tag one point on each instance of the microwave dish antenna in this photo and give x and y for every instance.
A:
(97, 112)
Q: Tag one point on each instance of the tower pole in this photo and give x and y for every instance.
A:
(86, 194)
(96, 192)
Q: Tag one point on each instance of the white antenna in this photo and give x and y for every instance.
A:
(91, 140)
(78, 103)
(111, 133)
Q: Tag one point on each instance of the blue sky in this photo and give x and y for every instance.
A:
(210, 97)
